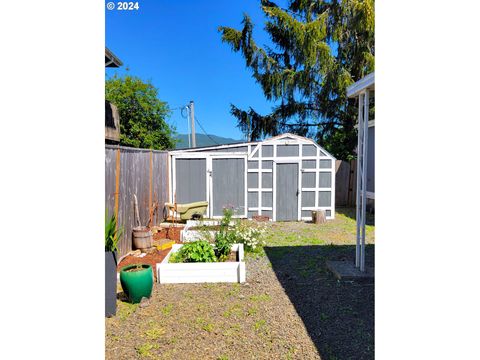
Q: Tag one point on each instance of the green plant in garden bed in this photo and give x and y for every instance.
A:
(196, 251)
(250, 235)
(225, 237)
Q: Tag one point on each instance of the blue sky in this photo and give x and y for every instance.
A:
(176, 45)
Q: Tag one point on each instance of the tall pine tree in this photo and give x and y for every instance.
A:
(320, 48)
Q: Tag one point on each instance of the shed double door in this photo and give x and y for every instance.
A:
(287, 191)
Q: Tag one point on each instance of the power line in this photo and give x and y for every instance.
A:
(201, 127)
(182, 109)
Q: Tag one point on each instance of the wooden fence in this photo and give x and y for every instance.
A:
(345, 183)
(140, 172)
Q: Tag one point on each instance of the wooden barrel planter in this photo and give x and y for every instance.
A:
(142, 237)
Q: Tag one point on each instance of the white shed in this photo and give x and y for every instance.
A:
(284, 177)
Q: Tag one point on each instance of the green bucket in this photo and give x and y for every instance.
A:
(137, 284)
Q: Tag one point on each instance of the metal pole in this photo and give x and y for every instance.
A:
(188, 127)
(359, 178)
(192, 122)
(364, 180)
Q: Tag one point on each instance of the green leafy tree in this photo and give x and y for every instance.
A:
(142, 115)
(319, 49)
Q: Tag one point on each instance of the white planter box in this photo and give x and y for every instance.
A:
(191, 223)
(188, 235)
(180, 273)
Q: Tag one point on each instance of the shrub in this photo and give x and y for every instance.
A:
(196, 251)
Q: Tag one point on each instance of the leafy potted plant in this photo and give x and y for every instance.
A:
(137, 281)
(112, 235)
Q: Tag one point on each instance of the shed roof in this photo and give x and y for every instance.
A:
(278, 137)
(365, 83)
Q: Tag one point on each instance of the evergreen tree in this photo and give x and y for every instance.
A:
(142, 114)
(320, 48)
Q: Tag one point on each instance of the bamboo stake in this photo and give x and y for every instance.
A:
(135, 205)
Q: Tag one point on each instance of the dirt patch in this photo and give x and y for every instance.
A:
(172, 233)
(135, 269)
(152, 259)
(232, 257)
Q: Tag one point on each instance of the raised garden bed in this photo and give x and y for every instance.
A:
(179, 273)
(198, 229)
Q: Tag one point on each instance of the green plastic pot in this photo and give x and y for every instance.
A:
(137, 284)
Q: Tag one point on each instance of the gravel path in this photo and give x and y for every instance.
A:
(290, 308)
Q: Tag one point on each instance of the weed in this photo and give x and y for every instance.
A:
(261, 297)
(222, 357)
(259, 325)
(252, 311)
(126, 309)
(114, 338)
(144, 350)
(290, 353)
(155, 333)
(167, 309)
(235, 310)
(208, 327)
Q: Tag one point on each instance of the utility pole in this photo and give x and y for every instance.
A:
(192, 123)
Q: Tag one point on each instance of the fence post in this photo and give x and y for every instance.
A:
(117, 183)
(150, 205)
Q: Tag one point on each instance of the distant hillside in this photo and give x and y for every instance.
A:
(204, 140)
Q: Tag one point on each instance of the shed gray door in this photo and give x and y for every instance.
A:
(287, 192)
(228, 185)
(191, 180)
